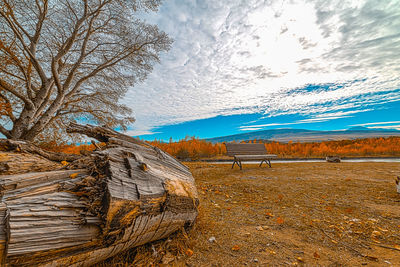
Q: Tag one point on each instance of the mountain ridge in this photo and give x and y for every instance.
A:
(305, 135)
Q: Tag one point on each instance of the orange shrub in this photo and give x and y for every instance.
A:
(191, 148)
(194, 148)
(65, 148)
(389, 146)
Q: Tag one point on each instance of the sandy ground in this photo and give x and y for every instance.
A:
(306, 214)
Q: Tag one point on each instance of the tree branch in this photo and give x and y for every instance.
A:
(109, 63)
(9, 113)
(44, 102)
(5, 132)
(35, 62)
(66, 46)
(8, 51)
(12, 74)
(8, 88)
(11, 13)
(35, 40)
(89, 32)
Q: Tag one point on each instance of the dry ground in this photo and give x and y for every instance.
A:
(306, 214)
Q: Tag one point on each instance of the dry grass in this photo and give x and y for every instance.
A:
(292, 214)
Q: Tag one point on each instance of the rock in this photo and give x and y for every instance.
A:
(376, 234)
(212, 239)
(333, 159)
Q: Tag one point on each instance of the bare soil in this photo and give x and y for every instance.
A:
(306, 214)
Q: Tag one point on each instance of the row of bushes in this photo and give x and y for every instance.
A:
(194, 149)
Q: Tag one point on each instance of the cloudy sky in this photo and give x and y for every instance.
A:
(239, 66)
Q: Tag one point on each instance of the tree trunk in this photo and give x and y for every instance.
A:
(43, 121)
(129, 193)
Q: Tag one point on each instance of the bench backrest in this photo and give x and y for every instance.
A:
(245, 149)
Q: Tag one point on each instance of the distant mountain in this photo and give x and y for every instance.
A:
(303, 135)
(358, 128)
(361, 128)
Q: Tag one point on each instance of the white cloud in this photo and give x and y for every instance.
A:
(250, 129)
(260, 126)
(313, 119)
(331, 116)
(388, 127)
(235, 57)
(139, 132)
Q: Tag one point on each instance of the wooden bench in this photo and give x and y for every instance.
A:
(246, 152)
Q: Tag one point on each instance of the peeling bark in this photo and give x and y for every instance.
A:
(128, 194)
(16, 163)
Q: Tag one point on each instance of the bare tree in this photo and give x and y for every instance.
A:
(72, 59)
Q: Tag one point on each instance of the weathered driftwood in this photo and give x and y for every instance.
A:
(15, 163)
(129, 193)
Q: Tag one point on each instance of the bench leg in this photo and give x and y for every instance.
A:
(238, 162)
(233, 164)
(266, 161)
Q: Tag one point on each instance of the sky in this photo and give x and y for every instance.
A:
(240, 66)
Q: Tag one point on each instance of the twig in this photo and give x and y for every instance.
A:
(95, 145)
(223, 250)
(384, 246)
(350, 248)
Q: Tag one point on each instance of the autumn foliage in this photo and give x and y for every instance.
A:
(5, 107)
(389, 146)
(66, 148)
(193, 148)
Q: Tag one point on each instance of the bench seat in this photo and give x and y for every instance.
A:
(245, 152)
(255, 157)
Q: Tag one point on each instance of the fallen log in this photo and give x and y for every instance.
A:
(15, 163)
(122, 195)
(24, 146)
